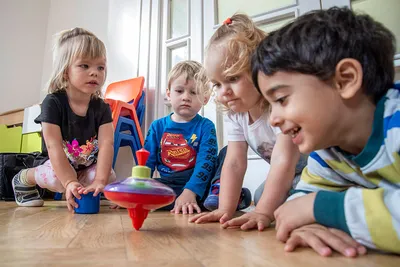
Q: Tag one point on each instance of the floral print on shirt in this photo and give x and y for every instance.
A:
(81, 155)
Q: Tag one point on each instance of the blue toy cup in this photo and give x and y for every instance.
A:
(88, 204)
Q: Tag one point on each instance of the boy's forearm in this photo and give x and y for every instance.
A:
(61, 165)
(329, 210)
(197, 188)
(104, 163)
(201, 176)
(205, 161)
(276, 188)
(360, 212)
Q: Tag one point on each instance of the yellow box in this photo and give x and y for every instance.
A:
(10, 139)
(31, 142)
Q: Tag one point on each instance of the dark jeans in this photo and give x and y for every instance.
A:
(177, 181)
(220, 162)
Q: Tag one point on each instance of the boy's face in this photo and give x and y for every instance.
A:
(304, 107)
(185, 100)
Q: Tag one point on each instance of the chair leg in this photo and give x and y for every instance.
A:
(138, 129)
(134, 154)
(117, 143)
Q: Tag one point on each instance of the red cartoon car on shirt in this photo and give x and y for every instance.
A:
(176, 153)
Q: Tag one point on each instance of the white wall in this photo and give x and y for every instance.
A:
(123, 56)
(23, 26)
(256, 173)
(385, 12)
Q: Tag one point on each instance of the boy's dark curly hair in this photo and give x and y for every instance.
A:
(315, 42)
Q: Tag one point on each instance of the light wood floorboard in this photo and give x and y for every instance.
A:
(51, 236)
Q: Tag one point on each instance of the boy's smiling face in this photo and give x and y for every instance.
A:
(304, 107)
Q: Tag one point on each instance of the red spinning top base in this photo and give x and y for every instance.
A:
(138, 215)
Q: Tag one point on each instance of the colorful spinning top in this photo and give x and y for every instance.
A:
(139, 193)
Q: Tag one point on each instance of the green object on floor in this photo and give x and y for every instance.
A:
(10, 139)
(31, 142)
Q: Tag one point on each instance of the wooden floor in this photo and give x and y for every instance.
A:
(50, 236)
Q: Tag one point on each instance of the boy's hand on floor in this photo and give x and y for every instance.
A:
(217, 215)
(71, 191)
(293, 214)
(249, 221)
(97, 187)
(186, 203)
(323, 240)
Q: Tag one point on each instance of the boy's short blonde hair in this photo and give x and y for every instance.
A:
(193, 70)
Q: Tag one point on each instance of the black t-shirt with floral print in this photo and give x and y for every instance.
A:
(79, 133)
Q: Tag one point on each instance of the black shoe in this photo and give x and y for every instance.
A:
(25, 195)
(245, 199)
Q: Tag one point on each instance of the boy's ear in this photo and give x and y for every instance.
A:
(168, 94)
(348, 77)
(206, 98)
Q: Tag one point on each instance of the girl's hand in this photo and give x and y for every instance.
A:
(71, 191)
(186, 202)
(249, 221)
(323, 240)
(217, 215)
(97, 187)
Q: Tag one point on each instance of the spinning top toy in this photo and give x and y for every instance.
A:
(139, 193)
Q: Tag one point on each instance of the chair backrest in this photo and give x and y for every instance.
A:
(126, 91)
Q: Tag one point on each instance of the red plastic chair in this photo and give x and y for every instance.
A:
(126, 91)
(123, 97)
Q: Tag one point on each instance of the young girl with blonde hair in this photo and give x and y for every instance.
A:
(76, 124)
(227, 65)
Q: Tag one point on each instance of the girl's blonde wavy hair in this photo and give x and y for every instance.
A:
(72, 44)
(240, 36)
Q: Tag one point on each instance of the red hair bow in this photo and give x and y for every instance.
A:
(228, 21)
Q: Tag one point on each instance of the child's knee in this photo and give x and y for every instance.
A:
(45, 177)
(55, 185)
(86, 177)
(50, 182)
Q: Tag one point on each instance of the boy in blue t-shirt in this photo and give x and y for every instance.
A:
(183, 145)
